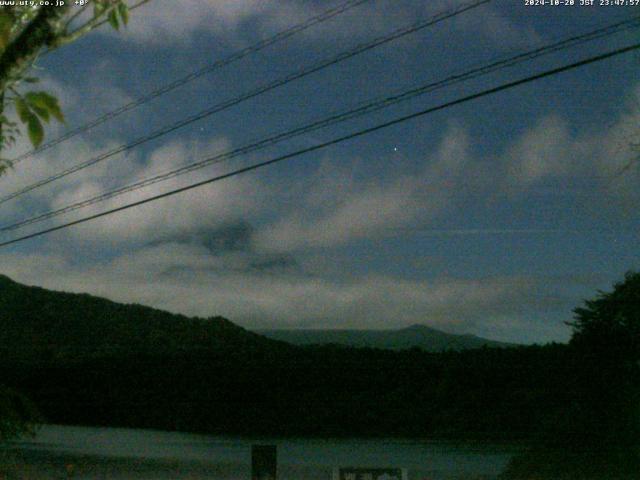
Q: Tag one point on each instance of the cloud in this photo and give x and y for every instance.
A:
(204, 286)
(549, 149)
(70, 153)
(498, 29)
(340, 203)
(238, 249)
(334, 209)
(192, 210)
(540, 151)
(78, 186)
(179, 23)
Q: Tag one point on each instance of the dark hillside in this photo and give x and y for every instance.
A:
(43, 325)
(87, 360)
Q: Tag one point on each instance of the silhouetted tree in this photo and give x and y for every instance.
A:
(608, 327)
(606, 341)
(597, 436)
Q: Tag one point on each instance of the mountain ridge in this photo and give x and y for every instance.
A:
(414, 336)
(85, 360)
(42, 324)
(38, 324)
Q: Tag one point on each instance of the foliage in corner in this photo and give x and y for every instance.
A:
(27, 32)
(35, 107)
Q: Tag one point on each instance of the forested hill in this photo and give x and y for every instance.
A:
(87, 360)
(84, 360)
(421, 336)
(43, 325)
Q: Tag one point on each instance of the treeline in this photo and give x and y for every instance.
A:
(327, 391)
(85, 360)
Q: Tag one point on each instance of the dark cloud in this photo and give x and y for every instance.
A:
(233, 243)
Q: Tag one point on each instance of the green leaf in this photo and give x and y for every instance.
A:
(56, 111)
(113, 19)
(123, 10)
(45, 101)
(39, 104)
(35, 130)
(31, 79)
(43, 113)
(23, 110)
(98, 8)
(37, 98)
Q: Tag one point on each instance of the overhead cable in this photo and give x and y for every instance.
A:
(334, 141)
(359, 111)
(363, 47)
(234, 57)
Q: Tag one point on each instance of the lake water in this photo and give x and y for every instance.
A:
(99, 453)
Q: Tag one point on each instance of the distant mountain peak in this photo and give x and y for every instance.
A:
(419, 327)
(416, 335)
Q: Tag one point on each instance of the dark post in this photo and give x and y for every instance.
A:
(264, 461)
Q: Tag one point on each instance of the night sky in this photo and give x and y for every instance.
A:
(495, 217)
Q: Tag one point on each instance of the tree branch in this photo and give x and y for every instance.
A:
(80, 11)
(92, 24)
(41, 32)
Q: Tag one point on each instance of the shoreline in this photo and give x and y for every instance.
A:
(44, 464)
(49, 465)
(86, 453)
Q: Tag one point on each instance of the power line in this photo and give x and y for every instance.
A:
(363, 109)
(363, 47)
(335, 141)
(280, 36)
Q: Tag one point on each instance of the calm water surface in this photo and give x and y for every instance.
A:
(97, 453)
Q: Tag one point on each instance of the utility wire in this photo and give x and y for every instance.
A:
(284, 34)
(335, 141)
(363, 47)
(363, 109)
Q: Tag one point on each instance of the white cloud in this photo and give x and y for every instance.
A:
(334, 207)
(195, 209)
(498, 29)
(544, 150)
(335, 210)
(549, 149)
(170, 22)
(186, 279)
